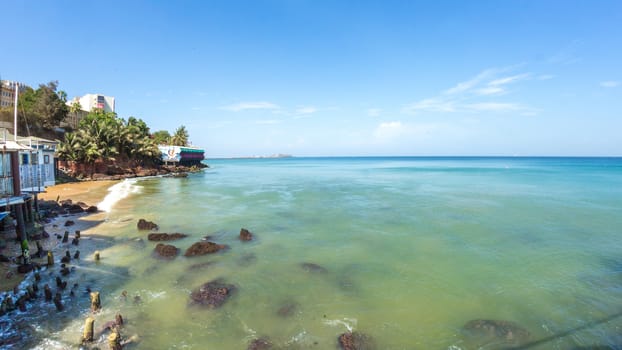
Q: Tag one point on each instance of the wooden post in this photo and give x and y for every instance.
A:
(28, 210)
(114, 340)
(96, 257)
(20, 230)
(58, 302)
(50, 258)
(95, 302)
(48, 292)
(87, 336)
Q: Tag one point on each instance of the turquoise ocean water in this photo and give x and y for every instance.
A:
(413, 249)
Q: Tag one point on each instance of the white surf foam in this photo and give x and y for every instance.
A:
(117, 193)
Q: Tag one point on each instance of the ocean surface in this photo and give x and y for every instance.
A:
(412, 249)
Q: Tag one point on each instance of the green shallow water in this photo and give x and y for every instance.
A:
(413, 247)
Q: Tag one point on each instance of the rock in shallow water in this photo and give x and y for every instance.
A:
(213, 294)
(288, 309)
(166, 251)
(146, 225)
(356, 341)
(497, 329)
(260, 344)
(165, 236)
(311, 267)
(202, 248)
(245, 235)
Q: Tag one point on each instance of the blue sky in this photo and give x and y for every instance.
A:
(334, 78)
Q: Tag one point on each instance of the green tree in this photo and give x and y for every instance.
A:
(75, 108)
(102, 136)
(161, 137)
(42, 109)
(180, 137)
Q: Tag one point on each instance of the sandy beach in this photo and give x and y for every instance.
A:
(89, 192)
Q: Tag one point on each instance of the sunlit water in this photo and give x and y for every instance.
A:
(414, 249)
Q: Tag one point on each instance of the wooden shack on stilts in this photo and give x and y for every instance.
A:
(15, 207)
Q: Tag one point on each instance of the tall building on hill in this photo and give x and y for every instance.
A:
(7, 92)
(87, 103)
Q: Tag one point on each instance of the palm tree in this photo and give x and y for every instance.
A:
(180, 137)
(75, 109)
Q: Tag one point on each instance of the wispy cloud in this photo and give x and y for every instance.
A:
(610, 84)
(477, 94)
(508, 80)
(374, 112)
(490, 90)
(243, 106)
(470, 84)
(306, 110)
(545, 77)
(387, 132)
(494, 107)
(431, 105)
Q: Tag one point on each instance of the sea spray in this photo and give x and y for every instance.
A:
(117, 192)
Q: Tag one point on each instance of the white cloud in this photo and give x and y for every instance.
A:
(474, 95)
(490, 90)
(431, 105)
(469, 84)
(242, 106)
(545, 77)
(493, 107)
(306, 110)
(610, 84)
(388, 130)
(508, 80)
(396, 131)
(374, 112)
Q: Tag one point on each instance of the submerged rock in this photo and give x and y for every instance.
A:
(288, 309)
(355, 341)
(245, 235)
(69, 223)
(497, 329)
(166, 236)
(200, 266)
(166, 251)
(202, 248)
(146, 225)
(212, 294)
(260, 344)
(247, 259)
(91, 209)
(311, 267)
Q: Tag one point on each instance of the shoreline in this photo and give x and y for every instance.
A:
(90, 192)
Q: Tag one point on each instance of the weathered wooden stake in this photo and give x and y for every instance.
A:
(48, 292)
(97, 255)
(88, 329)
(66, 237)
(95, 302)
(78, 234)
(118, 319)
(58, 302)
(50, 258)
(39, 249)
(76, 255)
(114, 340)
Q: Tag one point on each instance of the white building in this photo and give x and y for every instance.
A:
(89, 102)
